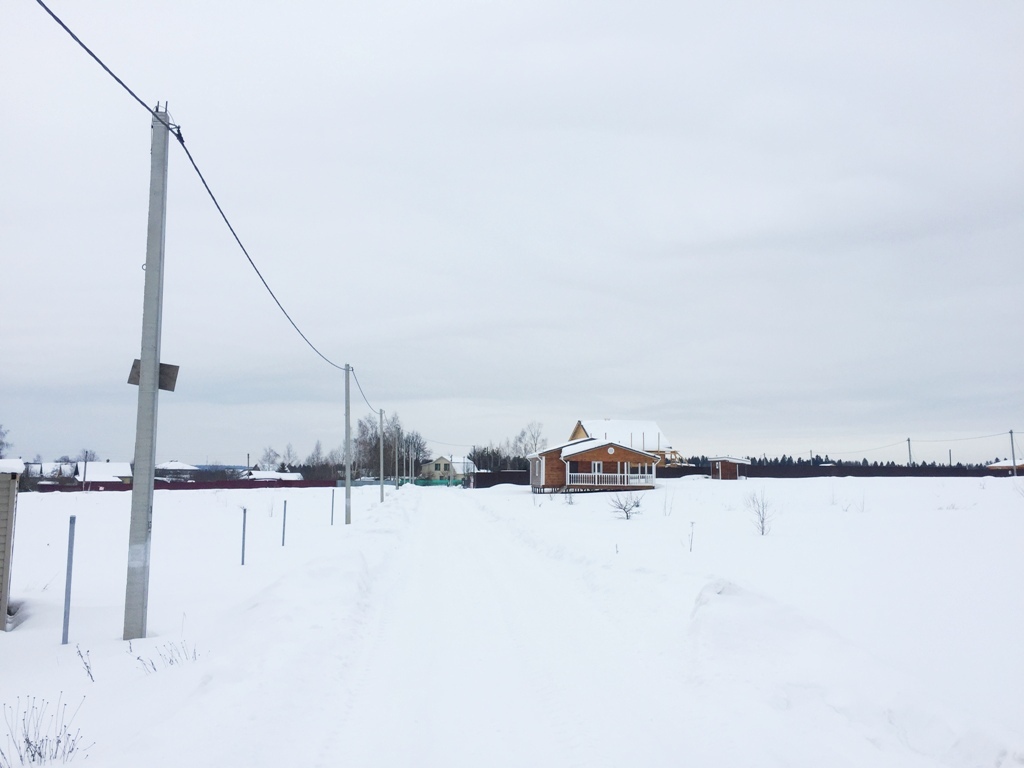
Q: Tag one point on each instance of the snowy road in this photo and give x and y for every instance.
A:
(488, 653)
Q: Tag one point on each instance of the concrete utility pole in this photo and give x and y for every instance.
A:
(1013, 454)
(910, 456)
(348, 450)
(381, 455)
(136, 602)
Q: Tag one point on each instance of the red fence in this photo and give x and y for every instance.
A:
(195, 486)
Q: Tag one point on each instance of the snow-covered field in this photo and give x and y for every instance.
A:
(879, 623)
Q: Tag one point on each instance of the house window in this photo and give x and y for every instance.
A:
(446, 467)
(437, 467)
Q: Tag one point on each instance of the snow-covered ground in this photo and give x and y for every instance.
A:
(879, 623)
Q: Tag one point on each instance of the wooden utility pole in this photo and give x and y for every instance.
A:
(136, 603)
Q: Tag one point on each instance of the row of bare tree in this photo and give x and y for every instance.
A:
(510, 453)
(409, 447)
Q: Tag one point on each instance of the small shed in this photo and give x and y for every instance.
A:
(728, 468)
(1007, 467)
(10, 471)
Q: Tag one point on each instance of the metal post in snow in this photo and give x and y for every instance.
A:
(381, 430)
(284, 521)
(691, 535)
(243, 534)
(332, 506)
(67, 582)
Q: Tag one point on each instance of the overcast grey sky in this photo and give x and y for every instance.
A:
(770, 227)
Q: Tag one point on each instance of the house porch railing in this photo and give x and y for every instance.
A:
(610, 479)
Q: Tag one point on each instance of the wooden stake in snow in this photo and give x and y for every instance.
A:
(243, 535)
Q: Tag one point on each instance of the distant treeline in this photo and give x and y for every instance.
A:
(819, 461)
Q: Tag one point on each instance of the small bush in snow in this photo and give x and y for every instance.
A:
(626, 506)
(170, 654)
(35, 737)
(760, 510)
(86, 662)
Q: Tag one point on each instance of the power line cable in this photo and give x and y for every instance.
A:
(176, 130)
(961, 439)
(453, 445)
(360, 386)
(866, 450)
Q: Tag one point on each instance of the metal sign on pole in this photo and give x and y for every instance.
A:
(136, 602)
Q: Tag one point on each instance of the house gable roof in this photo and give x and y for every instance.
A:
(103, 471)
(590, 445)
(576, 447)
(558, 448)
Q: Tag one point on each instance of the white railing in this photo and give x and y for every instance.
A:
(604, 478)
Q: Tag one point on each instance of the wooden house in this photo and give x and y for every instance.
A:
(589, 464)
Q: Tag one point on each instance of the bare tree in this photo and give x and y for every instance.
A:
(534, 438)
(270, 458)
(289, 458)
(4, 445)
(86, 455)
(761, 512)
(627, 505)
(316, 458)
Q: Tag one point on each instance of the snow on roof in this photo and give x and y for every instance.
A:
(256, 474)
(103, 471)
(644, 435)
(12, 466)
(177, 466)
(731, 459)
(559, 447)
(589, 445)
(1007, 464)
(50, 469)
